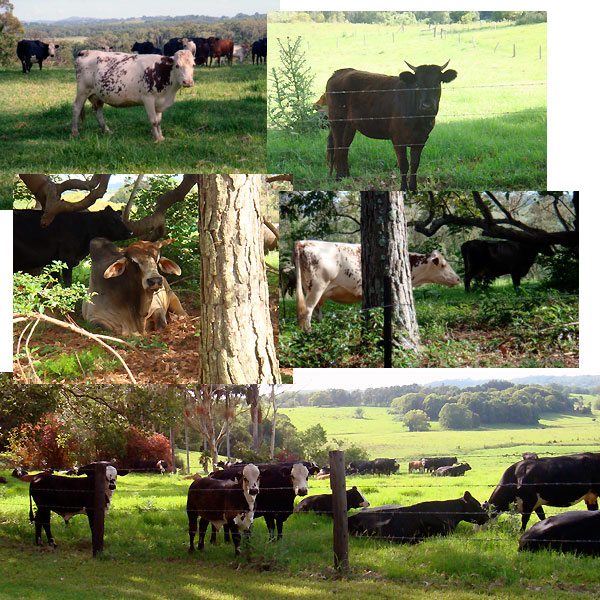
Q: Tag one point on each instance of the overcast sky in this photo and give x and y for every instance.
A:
(55, 10)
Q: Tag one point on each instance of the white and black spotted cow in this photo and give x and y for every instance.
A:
(120, 79)
(333, 270)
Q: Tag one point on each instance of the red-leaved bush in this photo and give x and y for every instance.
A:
(145, 445)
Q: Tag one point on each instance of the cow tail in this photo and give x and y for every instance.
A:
(300, 303)
(330, 143)
(30, 506)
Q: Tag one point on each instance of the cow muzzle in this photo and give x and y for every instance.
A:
(253, 491)
(188, 83)
(154, 283)
(112, 486)
(301, 491)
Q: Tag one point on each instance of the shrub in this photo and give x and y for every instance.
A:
(416, 420)
(455, 416)
(143, 445)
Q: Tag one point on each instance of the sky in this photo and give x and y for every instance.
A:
(55, 10)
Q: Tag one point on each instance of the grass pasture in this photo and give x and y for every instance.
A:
(217, 126)
(491, 126)
(146, 532)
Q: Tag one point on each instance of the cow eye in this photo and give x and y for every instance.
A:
(177, 66)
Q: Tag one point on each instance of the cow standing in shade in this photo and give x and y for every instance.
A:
(401, 109)
(122, 80)
(28, 49)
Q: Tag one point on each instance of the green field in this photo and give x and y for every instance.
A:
(146, 538)
(491, 126)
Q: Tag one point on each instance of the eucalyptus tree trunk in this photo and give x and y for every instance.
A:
(384, 252)
(236, 335)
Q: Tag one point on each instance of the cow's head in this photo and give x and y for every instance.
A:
(183, 68)
(473, 511)
(143, 259)
(250, 478)
(52, 49)
(299, 477)
(112, 225)
(432, 268)
(427, 80)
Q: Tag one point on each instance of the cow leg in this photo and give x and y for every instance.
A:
(213, 534)
(97, 105)
(40, 63)
(78, 112)
(467, 283)
(415, 159)
(175, 306)
(516, 279)
(202, 527)
(342, 146)
(279, 528)
(235, 535)
(270, 521)
(42, 519)
(155, 119)
(402, 158)
(539, 511)
(226, 533)
(192, 525)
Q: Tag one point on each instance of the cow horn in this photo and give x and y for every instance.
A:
(444, 65)
(410, 66)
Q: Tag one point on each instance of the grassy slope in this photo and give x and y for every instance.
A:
(473, 144)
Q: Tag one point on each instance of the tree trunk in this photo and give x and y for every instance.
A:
(187, 445)
(236, 335)
(384, 252)
(274, 405)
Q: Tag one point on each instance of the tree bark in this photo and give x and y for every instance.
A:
(384, 252)
(273, 422)
(236, 335)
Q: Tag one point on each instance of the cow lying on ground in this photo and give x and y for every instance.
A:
(552, 481)
(573, 531)
(452, 471)
(66, 239)
(223, 502)
(127, 289)
(333, 270)
(431, 464)
(411, 524)
(322, 504)
(120, 79)
(401, 109)
(28, 49)
(66, 496)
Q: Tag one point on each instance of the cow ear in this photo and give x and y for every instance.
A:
(408, 77)
(467, 496)
(163, 243)
(168, 266)
(116, 269)
(449, 75)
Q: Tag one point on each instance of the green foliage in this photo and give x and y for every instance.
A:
(71, 366)
(563, 269)
(416, 420)
(408, 402)
(455, 416)
(11, 31)
(359, 413)
(313, 442)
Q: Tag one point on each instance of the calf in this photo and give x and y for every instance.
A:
(415, 465)
(411, 524)
(66, 496)
(452, 471)
(121, 80)
(28, 49)
(223, 502)
(124, 284)
(322, 504)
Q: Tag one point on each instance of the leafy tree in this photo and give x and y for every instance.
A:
(412, 401)
(416, 420)
(11, 29)
(432, 404)
(313, 442)
(455, 416)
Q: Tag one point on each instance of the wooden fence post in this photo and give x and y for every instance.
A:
(387, 322)
(99, 507)
(340, 510)
(514, 50)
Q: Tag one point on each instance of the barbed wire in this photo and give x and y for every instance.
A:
(446, 89)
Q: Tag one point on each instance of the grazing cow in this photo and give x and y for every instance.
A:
(552, 481)
(120, 79)
(431, 464)
(223, 502)
(240, 51)
(280, 484)
(127, 289)
(221, 49)
(259, 51)
(333, 270)
(485, 259)
(362, 467)
(28, 49)
(529, 456)
(66, 496)
(270, 240)
(412, 524)
(148, 466)
(401, 109)
(454, 471)
(145, 48)
(322, 504)
(385, 466)
(415, 465)
(573, 531)
(66, 239)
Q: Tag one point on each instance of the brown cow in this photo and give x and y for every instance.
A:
(401, 109)
(222, 48)
(126, 288)
(415, 465)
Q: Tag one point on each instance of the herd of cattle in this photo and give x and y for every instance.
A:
(332, 270)
(234, 496)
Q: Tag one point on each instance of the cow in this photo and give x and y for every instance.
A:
(145, 48)
(28, 49)
(401, 109)
(320, 107)
(362, 467)
(324, 473)
(66, 239)
(487, 260)
(173, 45)
(223, 502)
(431, 464)
(259, 51)
(240, 51)
(552, 481)
(287, 281)
(66, 496)
(122, 80)
(412, 524)
(127, 291)
(385, 466)
(415, 465)
(148, 466)
(203, 50)
(270, 240)
(529, 455)
(333, 270)
(280, 484)
(221, 49)
(572, 531)
(322, 504)
(452, 471)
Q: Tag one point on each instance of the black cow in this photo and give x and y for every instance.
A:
(573, 531)
(203, 50)
(67, 238)
(484, 259)
(322, 504)
(228, 502)
(259, 51)
(385, 466)
(145, 48)
(148, 466)
(172, 46)
(28, 49)
(3, 480)
(313, 468)
(411, 524)
(453, 471)
(66, 496)
(362, 467)
(552, 481)
(431, 464)
(401, 109)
